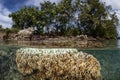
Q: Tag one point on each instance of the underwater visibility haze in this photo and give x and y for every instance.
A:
(109, 58)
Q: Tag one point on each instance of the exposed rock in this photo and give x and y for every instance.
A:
(2, 34)
(95, 44)
(24, 34)
(82, 37)
(39, 64)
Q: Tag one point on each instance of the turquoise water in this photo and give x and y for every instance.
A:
(109, 58)
(110, 62)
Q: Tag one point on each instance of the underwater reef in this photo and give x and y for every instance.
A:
(57, 64)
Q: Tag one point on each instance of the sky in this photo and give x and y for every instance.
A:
(9, 6)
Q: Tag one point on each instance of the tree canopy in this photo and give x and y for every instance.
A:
(68, 17)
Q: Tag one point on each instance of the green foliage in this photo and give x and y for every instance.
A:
(7, 30)
(48, 12)
(26, 17)
(65, 12)
(96, 19)
(72, 31)
(76, 31)
(15, 30)
(1, 29)
(0, 26)
(91, 17)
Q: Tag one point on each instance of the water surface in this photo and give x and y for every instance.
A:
(110, 62)
(108, 56)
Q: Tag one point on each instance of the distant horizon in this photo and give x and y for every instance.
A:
(9, 6)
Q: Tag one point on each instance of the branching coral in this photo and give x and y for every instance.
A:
(72, 65)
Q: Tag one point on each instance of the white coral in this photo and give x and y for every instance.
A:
(46, 51)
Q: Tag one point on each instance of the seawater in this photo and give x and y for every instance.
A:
(109, 58)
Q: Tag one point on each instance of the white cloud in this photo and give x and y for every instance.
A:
(115, 6)
(5, 21)
(33, 2)
(114, 3)
(37, 2)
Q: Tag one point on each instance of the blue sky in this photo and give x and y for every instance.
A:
(9, 6)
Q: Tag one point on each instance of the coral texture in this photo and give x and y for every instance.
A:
(41, 64)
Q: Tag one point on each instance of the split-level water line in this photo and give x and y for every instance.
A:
(118, 27)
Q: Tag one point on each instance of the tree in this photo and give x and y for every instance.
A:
(95, 19)
(1, 28)
(65, 11)
(26, 17)
(48, 12)
(69, 17)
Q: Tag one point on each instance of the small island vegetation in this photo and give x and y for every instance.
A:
(66, 18)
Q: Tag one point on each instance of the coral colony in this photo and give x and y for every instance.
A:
(57, 64)
(45, 51)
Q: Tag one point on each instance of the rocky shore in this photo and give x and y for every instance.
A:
(57, 42)
(26, 37)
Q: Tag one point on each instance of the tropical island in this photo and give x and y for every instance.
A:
(66, 24)
(60, 41)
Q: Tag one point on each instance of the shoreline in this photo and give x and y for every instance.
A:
(59, 42)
